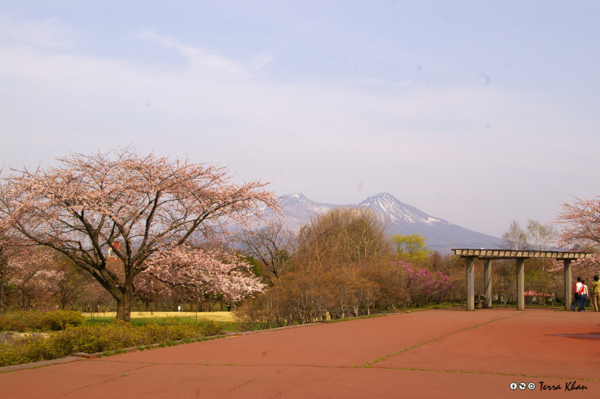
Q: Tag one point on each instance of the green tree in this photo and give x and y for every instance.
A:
(411, 246)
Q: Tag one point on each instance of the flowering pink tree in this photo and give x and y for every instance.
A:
(203, 273)
(587, 268)
(34, 275)
(29, 271)
(580, 224)
(423, 285)
(134, 205)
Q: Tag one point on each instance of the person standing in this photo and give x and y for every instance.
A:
(577, 295)
(596, 294)
(584, 295)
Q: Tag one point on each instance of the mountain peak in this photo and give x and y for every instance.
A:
(296, 196)
(385, 195)
(381, 197)
(400, 218)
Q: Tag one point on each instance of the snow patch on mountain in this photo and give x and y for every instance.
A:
(389, 208)
(399, 217)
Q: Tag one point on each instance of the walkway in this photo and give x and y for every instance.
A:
(432, 354)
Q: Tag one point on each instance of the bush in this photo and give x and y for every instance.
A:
(102, 338)
(40, 321)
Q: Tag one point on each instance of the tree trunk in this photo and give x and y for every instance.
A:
(124, 305)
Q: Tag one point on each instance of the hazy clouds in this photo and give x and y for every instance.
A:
(476, 151)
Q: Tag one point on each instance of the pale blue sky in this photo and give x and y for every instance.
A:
(477, 112)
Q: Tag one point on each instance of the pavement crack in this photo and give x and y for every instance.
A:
(104, 381)
(368, 364)
(241, 385)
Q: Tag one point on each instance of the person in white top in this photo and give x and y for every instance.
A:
(577, 295)
(584, 295)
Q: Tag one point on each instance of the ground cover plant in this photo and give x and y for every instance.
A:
(40, 321)
(98, 337)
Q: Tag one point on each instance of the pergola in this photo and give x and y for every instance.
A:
(489, 254)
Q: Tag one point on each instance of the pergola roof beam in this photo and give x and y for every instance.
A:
(519, 254)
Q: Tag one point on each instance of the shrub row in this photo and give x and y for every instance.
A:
(40, 321)
(299, 298)
(101, 338)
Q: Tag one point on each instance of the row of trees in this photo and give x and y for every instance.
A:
(340, 264)
(147, 228)
(138, 209)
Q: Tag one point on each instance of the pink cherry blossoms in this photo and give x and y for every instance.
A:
(580, 224)
(147, 204)
(203, 273)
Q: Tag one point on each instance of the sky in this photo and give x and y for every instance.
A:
(476, 112)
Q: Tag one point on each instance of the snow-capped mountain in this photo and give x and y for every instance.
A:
(390, 209)
(297, 209)
(400, 218)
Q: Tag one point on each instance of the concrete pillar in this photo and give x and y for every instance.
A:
(470, 283)
(520, 284)
(487, 281)
(568, 284)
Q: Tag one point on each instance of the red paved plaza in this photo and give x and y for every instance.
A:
(434, 354)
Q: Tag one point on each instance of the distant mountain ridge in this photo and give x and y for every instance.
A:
(400, 218)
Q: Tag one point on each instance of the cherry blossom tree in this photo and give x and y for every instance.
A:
(30, 272)
(204, 273)
(587, 268)
(580, 224)
(135, 205)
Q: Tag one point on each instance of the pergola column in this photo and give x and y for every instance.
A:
(568, 282)
(520, 284)
(470, 283)
(487, 281)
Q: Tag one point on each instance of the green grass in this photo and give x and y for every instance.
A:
(139, 322)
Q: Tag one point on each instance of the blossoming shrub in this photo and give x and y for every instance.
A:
(424, 286)
(102, 338)
(40, 321)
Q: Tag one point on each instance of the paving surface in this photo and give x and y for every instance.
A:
(431, 354)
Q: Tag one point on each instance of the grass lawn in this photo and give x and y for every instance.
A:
(225, 319)
(215, 316)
